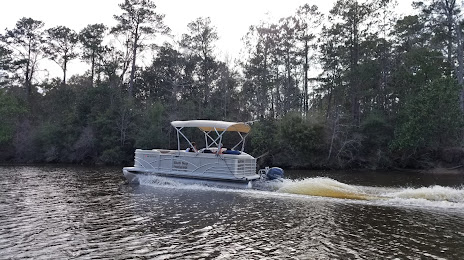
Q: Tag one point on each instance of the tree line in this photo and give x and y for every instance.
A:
(359, 87)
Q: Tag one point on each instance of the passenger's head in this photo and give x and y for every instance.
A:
(194, 144)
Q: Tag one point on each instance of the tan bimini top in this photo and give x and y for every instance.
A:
(211, 125)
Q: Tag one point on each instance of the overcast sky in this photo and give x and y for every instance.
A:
(232, 18)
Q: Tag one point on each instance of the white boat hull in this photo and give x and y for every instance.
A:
(194, 167)
(137, 176)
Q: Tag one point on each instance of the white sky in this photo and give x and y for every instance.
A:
(231, 18)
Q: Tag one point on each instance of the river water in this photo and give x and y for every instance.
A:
(58, 212)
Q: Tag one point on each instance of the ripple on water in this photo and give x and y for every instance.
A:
(67, 213)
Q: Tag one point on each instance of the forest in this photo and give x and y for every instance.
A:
(359, 87)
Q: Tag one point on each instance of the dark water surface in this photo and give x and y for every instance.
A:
(51, 212)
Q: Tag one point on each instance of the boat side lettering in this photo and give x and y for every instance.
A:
(179, 165)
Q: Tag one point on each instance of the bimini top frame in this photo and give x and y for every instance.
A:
(211, 126)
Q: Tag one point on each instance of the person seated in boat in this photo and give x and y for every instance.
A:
(192, 149)
(219, 150)
(229, 151)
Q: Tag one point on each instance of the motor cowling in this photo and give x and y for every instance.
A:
(275, 173)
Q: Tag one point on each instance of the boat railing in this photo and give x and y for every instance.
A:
(246, 166)
(196, 163)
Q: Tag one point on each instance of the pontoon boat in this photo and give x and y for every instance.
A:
(211, 164)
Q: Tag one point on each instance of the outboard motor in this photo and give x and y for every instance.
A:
(275, 173)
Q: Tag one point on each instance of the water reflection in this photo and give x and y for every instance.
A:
(82, 213)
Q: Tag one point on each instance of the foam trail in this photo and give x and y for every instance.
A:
(327, 187)
(433, 193)
(156, 180)
(324, 187)
(184, 183)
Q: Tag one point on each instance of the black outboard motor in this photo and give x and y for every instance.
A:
(275, 173)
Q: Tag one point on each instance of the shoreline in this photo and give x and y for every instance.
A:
(436, 170)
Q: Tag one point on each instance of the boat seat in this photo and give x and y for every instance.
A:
(231, 152)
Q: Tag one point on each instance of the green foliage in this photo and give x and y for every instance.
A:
(139, 17)
(304, 137)
(11, 111)
(6, 64)
(377, 134)
(111, 156)
(199, 43)
(431, 119)
(292, 141)
(150, 131)
(387, 87)
(263, 137)
(49, 137)
(137, 21)
(377, 130)
(419, 67)
(91, 38)
(61, 46)
(25, 41)
(201, 37)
